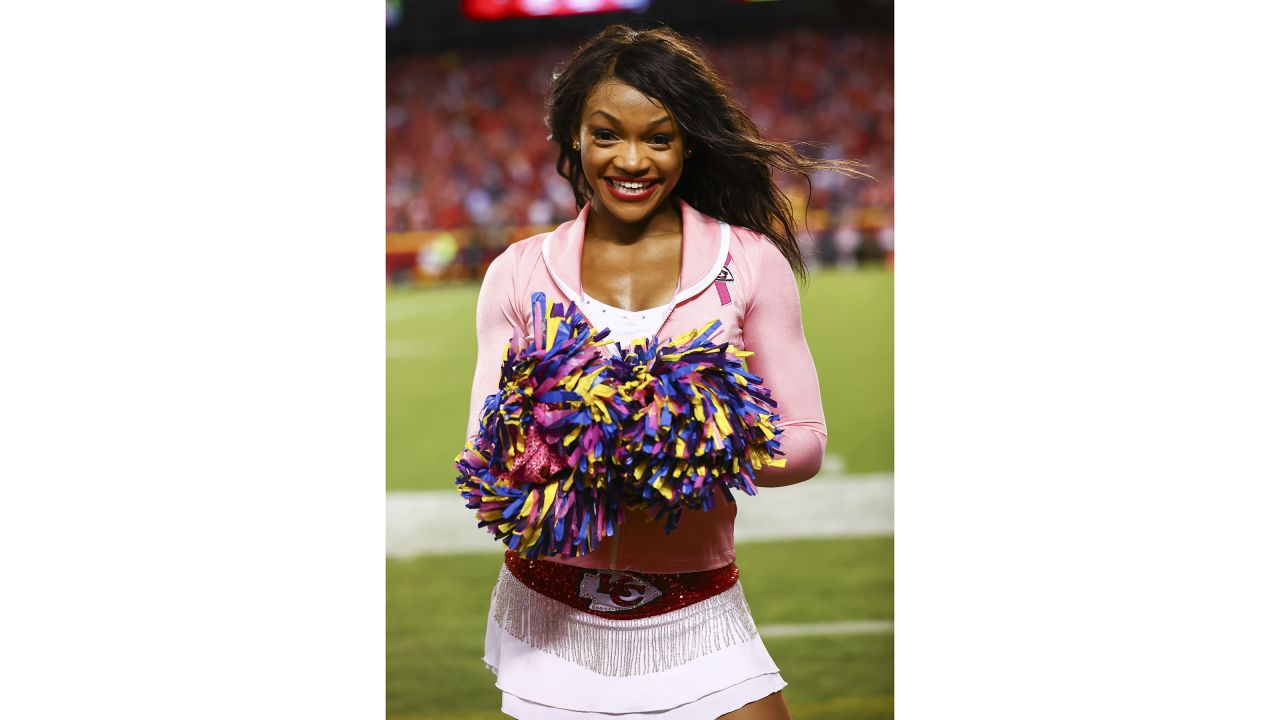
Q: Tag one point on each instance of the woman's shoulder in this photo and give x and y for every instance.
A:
(748, 239)
(754, 248)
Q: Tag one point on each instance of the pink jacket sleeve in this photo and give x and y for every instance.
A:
(498, 317)
(772, 329)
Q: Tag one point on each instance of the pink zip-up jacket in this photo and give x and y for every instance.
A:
(728, 273)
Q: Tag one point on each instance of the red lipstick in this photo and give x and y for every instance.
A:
(623, 194)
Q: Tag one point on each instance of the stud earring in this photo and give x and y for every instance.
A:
(576, 146)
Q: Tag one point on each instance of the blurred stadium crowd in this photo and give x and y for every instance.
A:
(470, 169)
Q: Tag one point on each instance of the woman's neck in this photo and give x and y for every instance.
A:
(603, 226)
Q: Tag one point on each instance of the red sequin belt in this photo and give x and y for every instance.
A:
(617, 594)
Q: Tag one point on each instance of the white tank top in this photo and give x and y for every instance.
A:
(624, 325)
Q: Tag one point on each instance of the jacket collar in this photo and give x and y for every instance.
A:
(703, 252)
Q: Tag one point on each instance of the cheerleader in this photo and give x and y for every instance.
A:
(680, 224)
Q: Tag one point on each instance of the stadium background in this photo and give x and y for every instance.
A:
(469, 170)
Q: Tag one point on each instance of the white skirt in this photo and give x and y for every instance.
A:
(554, 662)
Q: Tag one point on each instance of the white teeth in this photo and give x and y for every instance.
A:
(626, 185)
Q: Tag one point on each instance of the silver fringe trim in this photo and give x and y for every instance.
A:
(622, 647)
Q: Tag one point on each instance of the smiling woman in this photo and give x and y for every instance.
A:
(635, 158)
(681, 226)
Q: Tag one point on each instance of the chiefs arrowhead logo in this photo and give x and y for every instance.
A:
(725, 275)
(612, 591)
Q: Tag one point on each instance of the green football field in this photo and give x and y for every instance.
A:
(436, 603)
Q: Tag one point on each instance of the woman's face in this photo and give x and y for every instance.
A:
(632, 151)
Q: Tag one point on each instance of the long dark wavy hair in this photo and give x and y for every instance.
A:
(729, 175)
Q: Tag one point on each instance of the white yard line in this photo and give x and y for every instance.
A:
(848, 627)
(831, 505)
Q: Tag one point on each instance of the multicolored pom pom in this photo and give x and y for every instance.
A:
(573, 436)
(537, 472)
(701, 426)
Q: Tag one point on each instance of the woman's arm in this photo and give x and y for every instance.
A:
(772, 330)
(497, 319)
